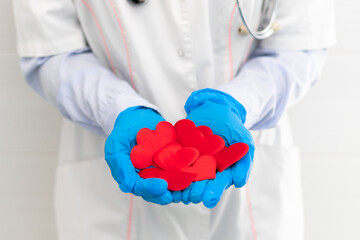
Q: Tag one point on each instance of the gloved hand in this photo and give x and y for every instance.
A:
(225, 116)
(117, 154)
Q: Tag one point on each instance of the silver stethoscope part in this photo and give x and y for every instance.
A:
(267, 21)
(268, 15)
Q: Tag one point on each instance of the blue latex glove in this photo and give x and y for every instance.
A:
(117, 154)
(225, 116)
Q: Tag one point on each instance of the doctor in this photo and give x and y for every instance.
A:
(114, 66)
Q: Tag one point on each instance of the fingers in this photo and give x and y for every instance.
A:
(216, 187)
(151, 187)
(241, 170)
(185, 195)
(129, 180)
(194, 192)
(177, 195)
(153, 190)
(197, 191)
(123, 171)
(162, 200)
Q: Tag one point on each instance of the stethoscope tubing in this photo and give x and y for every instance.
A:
(268, 30)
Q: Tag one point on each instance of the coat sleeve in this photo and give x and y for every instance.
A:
(47, 27)
(272, 80)
(82, 89)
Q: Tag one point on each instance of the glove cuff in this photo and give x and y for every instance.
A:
(202, 96)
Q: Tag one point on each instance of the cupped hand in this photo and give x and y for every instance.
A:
(226, 117)
(117, 154)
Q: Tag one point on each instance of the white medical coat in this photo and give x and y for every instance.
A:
(166, 50)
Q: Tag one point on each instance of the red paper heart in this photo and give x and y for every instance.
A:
(207, 145)
(141, 156)
(149, 142)
(176, 180)
(179, 163)
(186, 125)
(183, 125)
(230, 155)
(174, 156)
(204, 167)
(150, 173)
(158, 138)
(205, 130)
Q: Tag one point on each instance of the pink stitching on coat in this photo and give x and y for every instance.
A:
(125, 44)
(229, 42)
(131, 204)
(101, 34)
(253, 230)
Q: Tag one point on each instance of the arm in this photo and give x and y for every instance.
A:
(87, 93)
(81, 88)
(272, 80)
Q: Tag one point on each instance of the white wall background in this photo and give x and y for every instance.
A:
(326, 127)
(28, 146)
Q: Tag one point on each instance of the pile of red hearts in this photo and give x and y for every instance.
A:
(183, 153)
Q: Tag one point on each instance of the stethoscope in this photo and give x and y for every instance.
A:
(267, 25)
